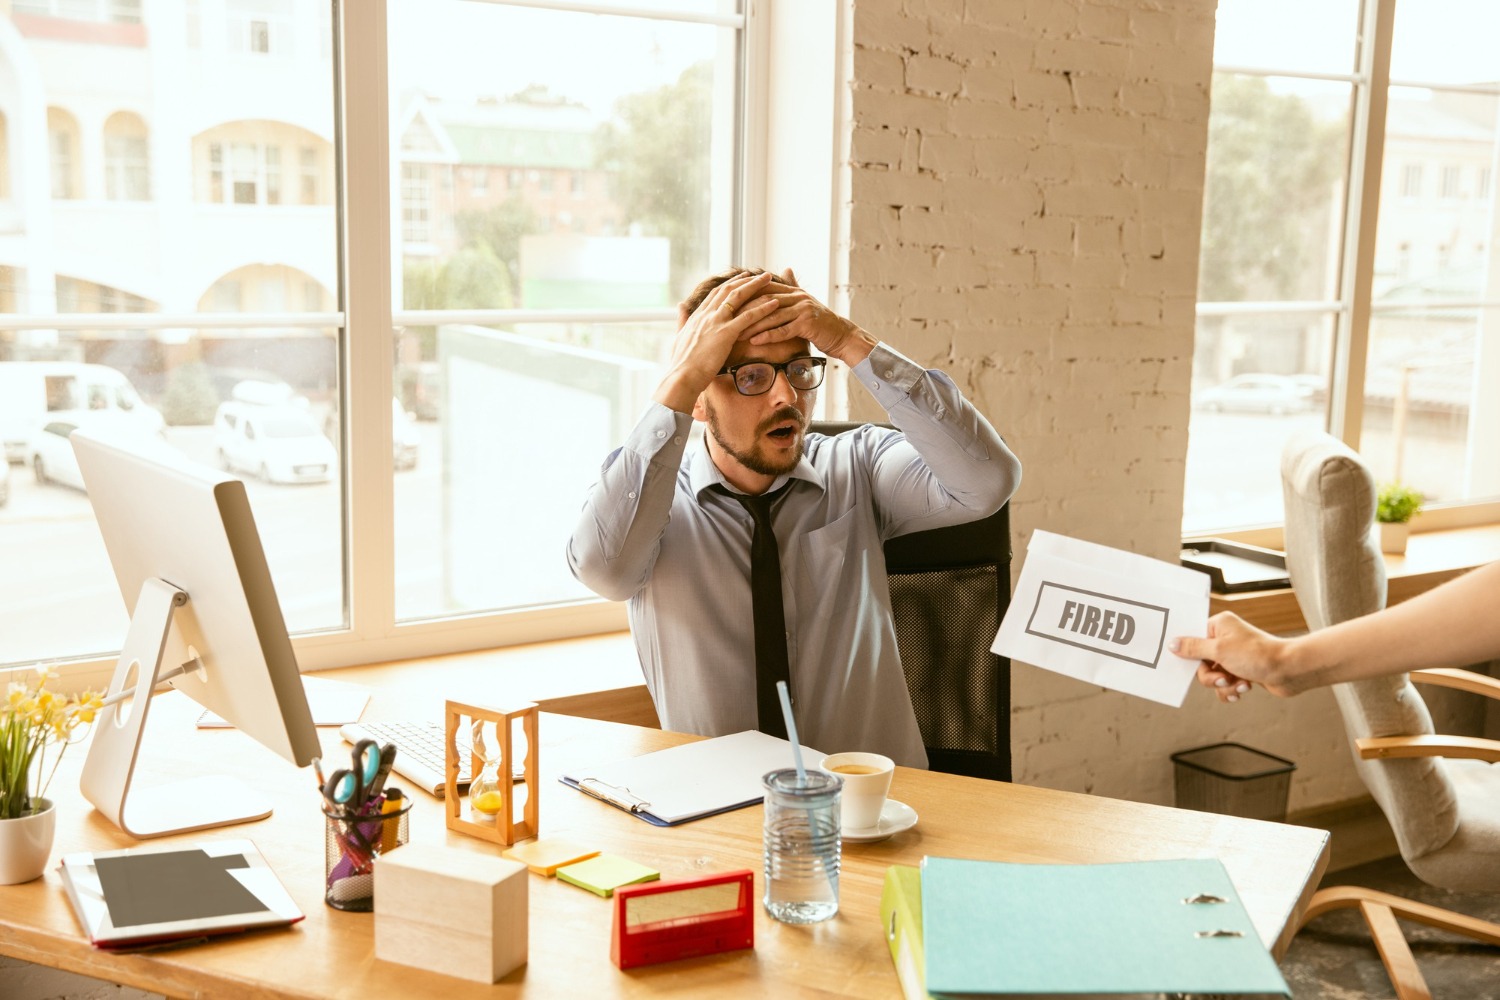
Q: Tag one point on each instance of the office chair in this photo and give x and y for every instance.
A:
(1441, 794)
(949, 589)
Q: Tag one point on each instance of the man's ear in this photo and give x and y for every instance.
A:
(700, 409)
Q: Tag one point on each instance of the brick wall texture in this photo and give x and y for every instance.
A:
(1023, 194)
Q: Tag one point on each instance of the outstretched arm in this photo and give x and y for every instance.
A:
(1450, 625)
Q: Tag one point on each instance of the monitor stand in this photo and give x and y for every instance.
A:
(176, 807)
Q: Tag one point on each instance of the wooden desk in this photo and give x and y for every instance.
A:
(1432, 558)
(330, 954)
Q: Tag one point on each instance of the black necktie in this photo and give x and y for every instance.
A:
(771, 663)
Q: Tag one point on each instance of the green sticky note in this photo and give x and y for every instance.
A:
(606, 873)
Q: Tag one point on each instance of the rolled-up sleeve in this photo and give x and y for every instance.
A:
(614, 544)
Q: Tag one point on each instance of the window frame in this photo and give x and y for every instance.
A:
(1353, 310)
(365, 318)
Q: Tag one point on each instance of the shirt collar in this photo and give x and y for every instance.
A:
(703, 474)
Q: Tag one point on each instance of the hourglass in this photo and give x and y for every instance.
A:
(492, 799)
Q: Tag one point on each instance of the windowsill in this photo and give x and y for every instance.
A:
(1432, 558)
(598, 677)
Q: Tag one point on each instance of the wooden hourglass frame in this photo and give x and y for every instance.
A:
(505, 828)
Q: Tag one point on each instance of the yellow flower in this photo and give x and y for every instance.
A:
(45, 672)
(89, 704)
(14, 695)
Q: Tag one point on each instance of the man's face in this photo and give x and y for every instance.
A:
(754, 439)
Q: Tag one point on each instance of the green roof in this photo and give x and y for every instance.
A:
(506, 147)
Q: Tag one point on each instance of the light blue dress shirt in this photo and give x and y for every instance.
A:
(654, 533)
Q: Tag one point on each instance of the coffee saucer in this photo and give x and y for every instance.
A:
(894, 817)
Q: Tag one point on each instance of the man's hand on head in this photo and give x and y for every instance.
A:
(803, 317)
(736, 310)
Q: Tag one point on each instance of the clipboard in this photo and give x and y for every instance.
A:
(688, 782)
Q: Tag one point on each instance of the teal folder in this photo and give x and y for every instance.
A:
(1006, 929)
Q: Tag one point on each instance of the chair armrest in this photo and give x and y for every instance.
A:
(1384, 747)
(1462, 680)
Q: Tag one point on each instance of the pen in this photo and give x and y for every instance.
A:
(317, 763)
(391, 828)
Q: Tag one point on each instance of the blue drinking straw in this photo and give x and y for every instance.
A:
(791, 731)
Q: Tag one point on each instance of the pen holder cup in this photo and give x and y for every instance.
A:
(350, 846)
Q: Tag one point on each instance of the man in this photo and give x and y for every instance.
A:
(674, 537)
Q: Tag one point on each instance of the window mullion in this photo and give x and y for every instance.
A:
(1352, 340)
(365, 176)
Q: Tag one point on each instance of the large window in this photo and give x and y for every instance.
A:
(1326, 300)
(491, 342)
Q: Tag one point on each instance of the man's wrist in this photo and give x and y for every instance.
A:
(855, 347)
(677, 392)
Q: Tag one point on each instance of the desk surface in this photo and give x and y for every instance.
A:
(331, 954)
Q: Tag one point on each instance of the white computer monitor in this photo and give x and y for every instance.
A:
(204, 618)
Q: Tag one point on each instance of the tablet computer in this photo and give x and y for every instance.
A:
(142, 896)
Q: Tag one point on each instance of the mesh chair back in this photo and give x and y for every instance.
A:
(949, 589)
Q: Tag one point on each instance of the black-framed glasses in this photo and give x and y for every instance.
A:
(756, 377)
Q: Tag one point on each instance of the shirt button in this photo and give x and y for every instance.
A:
(874, 385)
(631, 494)
(661, 434)
(890, 373)
(677, 440)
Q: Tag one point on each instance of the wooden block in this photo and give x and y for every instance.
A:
(460, 913)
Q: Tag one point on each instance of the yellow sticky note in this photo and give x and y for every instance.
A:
(545, 857)
(603, 874)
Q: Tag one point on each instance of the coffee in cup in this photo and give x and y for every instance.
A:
(867, 781)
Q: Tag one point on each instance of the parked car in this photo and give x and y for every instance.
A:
(34, 392)
(280, 444)
(405, 438)
(1257, 393)
(50, 452)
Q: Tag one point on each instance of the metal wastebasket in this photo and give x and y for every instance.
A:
(1235, 780)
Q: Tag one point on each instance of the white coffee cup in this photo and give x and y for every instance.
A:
(867, 781)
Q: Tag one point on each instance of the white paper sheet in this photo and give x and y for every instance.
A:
(1104, 616)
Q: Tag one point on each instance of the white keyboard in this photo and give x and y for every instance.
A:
(420, 752)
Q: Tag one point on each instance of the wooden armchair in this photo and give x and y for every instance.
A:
(1441, 794)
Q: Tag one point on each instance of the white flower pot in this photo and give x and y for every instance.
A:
(26, 844)
(1393, 536)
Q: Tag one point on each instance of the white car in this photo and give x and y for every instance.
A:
(50, 453)
(405, 438)
(280, 444)
(1258, 393)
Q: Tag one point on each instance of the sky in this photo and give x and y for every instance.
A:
(1436, 41)
(462, 50)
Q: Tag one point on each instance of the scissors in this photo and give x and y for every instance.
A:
(351, 788)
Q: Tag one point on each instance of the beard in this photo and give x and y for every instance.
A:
(754, 458)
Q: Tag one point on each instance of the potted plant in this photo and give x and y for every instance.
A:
(32, 718)
(1395, 505)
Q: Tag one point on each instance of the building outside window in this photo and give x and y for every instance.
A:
(1411, 180)
(127, 175)
(63, 145)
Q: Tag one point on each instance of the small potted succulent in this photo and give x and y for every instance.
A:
(1395, 506)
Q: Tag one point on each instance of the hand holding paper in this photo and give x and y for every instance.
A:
(1103, 615)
